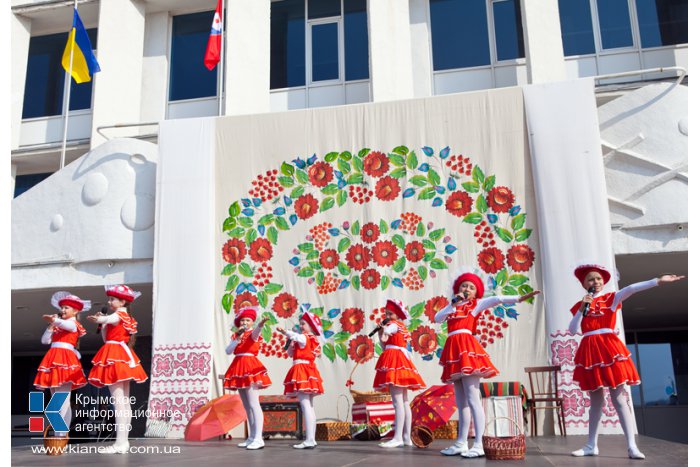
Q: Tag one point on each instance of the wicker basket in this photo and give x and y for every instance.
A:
(361, 397)
(507, 447)
(335, 429)
(447, 431)
(421, 436)
(54, 445)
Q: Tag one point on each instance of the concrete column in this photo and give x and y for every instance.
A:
(543, 47)
(20, 35)
(154, 83)
(391, 71)
(420, 45)
(120, 46)
(247, 55)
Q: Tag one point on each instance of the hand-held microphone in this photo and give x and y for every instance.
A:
(240, 331)
(385, 321)
(457, 298)
(586, 306)
(103, 312)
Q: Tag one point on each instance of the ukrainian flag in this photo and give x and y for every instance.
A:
(84, 61)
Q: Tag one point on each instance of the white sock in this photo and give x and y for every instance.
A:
(65, 410)
(254, 401)
(408, 417)
(122, 410)
(465, 417)
(248, 412)
(399, 412)
(595, 412)
(620, 400)
(470, 385)
(307, 409)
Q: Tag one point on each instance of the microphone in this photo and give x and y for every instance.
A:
(586, 306)
(103, 311)
(385, 321)
(456, 299)
(240, 331)
(287, 344)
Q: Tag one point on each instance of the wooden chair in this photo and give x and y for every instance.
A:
(544, 389)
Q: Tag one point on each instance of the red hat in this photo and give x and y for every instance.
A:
(246, 312)
(314, 322)
(60, 299)
(397, 307)
(469, 277)
(582, 271)
(122, 292)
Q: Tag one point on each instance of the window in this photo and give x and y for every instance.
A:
(509, 30)
(662, 22)
(25, 182)
(189, 78)
(335, 29)
(576, 27)
(45, 81)
(615, 26)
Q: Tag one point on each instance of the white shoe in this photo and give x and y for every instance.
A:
(393, 443)
(256, 444)
(635, 453)
(454, 450)
(305, 445)
(245, 443)
(115, 449)
(585, 451)
(408, 443)
(475, 451)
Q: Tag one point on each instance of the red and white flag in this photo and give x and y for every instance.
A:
(213, 54)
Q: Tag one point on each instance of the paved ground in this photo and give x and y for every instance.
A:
(541, 451)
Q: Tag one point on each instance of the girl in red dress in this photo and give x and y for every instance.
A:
(60, 369)
(303, 379)
(396, 373)
(464, 360)
(247, 374)
(602, 360)
(115, 365)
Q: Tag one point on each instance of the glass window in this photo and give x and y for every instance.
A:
(189, 78)
(662, 22)
(324, 52)
(25, 182)
(459, 31)
(576, 27)
(356, 46)
(323, 8)
(45, 80)
(509, 30)
(615, 27)
(287, 49)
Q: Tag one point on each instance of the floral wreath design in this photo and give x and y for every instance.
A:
(379, 254)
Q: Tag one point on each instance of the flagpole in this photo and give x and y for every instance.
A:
(222, 59)
(66, 93)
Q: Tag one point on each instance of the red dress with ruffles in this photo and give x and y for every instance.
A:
(602, 360)
(462, 354)
(245, 369)
(303, 376)
(393, 367)
(116, 361)
(59, 365)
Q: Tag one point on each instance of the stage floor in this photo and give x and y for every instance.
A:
(541, 451)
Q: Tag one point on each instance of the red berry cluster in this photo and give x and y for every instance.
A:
(377, 315)
(274, 348)
(460, 164)
(484, 234)
(360, 194)
(320, 234)
(489, 328)
(266, 186)
(409, 222)
(262, 275)
(330, 284)
(413, 280)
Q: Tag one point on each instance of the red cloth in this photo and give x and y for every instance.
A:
(60, 366)
(213, 53)
(304, 377)
(462, 354)
(393, 368)
(602, 360)
(246, 370)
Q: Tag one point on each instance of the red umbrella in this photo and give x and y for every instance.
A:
(216, 417)
(433, 407)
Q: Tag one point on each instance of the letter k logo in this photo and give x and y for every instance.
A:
(36, 404)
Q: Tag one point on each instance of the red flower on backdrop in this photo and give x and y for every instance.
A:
(370, 279)
(459, 204)
(370, 232)
(434, 305)
(500, 199)
(360, 349)
(329, 259)
(352, 320)
(376, 164)
(320, 174)
(306, 206)
(384, 253)
(357, 257)
(424, 340)
(520, 257)
(285, 305)
(260, 250)
(245, 299)
(233, 251)
(414, 251)
(387, 188)
(491, 260)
